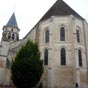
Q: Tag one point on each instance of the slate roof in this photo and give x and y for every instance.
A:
(12, 21)
(60, 8)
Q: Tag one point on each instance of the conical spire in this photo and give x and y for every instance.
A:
(12, 21)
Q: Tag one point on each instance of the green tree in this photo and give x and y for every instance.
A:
(27, 68)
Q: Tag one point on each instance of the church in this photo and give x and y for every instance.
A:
(62, 37)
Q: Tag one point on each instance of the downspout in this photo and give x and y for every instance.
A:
(85, 47)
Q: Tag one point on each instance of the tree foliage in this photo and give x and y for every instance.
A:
(27, 68)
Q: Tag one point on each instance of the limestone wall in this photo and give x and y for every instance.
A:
(56, 74)
(70, 73)
(2, 69)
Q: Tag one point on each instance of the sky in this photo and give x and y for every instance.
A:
(29, 12)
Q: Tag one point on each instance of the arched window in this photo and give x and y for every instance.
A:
(13, 36)
(62, 34)
(80, 57)
(78, 35)
(63, 56)
(46, 57)
(47, 36)
(9, 35)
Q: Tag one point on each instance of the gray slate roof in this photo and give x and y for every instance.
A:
(60, 8)
(12, 21)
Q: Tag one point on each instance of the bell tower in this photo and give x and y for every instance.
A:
(11, 30)
(10, 34)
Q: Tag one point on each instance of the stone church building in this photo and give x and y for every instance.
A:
(62, 35)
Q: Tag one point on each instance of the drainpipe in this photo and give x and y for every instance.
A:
(85, 47)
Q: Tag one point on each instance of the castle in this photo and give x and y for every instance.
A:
(62, 37)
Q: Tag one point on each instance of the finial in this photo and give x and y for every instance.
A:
(14, 7)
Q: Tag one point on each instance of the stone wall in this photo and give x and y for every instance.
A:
(71, 73)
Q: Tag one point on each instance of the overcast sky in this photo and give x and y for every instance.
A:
(28, 12)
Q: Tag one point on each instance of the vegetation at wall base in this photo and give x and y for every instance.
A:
(40, 85)
(27, 68)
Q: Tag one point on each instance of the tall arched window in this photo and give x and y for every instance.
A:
(78, 35)
(80, 57)
(46, 57)
(62, 34)
(47, 36)
(63, 56)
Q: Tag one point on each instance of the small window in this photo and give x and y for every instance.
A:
(12, 30)
(6, 28)
(7, 63)
(62, 34)
(47, 36)
(63, 56)
(78, 35)
(17, 37)
(4, 35)
(80, 57)
(46, 57)
(9, 35)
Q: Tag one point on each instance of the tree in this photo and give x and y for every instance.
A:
(27, 68)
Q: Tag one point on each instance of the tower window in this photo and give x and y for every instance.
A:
(63, 56)
(12, 36)
(62, 34)
(4, 35)
(78, 35)
(47, 36)
(46, 57)
(9, 35)
(80, 57)
(12, 30)
(6, 29)
(17, 37)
